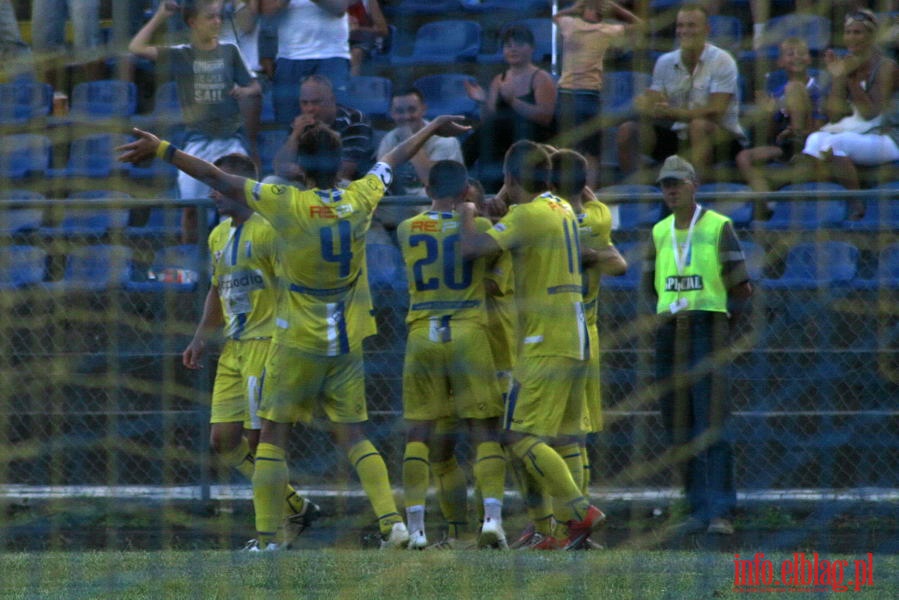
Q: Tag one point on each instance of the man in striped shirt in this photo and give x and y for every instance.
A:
(318, 103)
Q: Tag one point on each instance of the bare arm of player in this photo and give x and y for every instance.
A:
(608, 260)
(148, 146)
(445, 125)
(474, 243)
(211, 322)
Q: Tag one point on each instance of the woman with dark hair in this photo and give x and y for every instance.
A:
(519, 105)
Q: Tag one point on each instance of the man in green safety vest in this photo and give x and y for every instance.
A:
(696, 272)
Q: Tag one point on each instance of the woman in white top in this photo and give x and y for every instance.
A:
(860, 94)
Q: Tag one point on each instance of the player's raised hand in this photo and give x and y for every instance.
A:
(141, 149)
(467, 210)
(451, 125)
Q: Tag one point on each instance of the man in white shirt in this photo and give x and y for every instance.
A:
(313, 39)
(693, 101)
(407, 109)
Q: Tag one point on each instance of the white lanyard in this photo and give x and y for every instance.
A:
(680, 260)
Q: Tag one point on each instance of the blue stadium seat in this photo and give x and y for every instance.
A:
(106, 98)
(268, 142)
(633, 254)
(20, 220)
(619, 89)
(756, 259)
(519, 7)
(93, 155)
(167, 114)
(807, 214)
(634, 214)
(24, 101)
(22, 266)
(23, 155)
(90, 222)
(726, 32)
(812, 265)
(880, 213)
(370, 94)
(443, 42)
(385, 266)
(887, 274)
(814, 29)
(543, 40)
(445, 94)
(412, 8)
(740, 211)
(94, 268)
(161, 222)
(176, 268)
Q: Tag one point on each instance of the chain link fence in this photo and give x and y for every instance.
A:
(96, 314)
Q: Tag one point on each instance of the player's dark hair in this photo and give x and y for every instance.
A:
(517, 33)
(319, 154)
(528, 165)
(237, 164)
(569, 173)
(447, 179)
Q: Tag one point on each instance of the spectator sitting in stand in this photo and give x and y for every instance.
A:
(861, 97)
(693, 100)
(407, 108)
(318, 103)
(788, 114)
(519, 105)
(367, 27)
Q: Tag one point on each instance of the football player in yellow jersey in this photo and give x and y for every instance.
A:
(448, 370)
(241, 299)
(323, 311)
(569, 180)
(547, 399)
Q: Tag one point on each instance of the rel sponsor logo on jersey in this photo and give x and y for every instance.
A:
(241, 281)
(330, 212)
(686, 283)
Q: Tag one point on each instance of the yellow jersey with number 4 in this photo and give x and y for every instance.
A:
(324, 305)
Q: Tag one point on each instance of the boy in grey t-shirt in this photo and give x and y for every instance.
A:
(216, 89)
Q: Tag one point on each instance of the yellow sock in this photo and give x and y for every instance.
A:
(269, 479)
(240, 459)
(585, 480)
(452, 494)
(537, 502)
(552, 475)
(416, 470)
(372, 474)
(571, 454)
(490, 470)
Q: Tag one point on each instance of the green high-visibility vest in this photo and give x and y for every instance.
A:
(700, 285)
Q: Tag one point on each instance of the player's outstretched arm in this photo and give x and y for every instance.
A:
(147, 146)
(445, 125)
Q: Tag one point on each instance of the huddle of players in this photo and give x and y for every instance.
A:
(466, 327)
